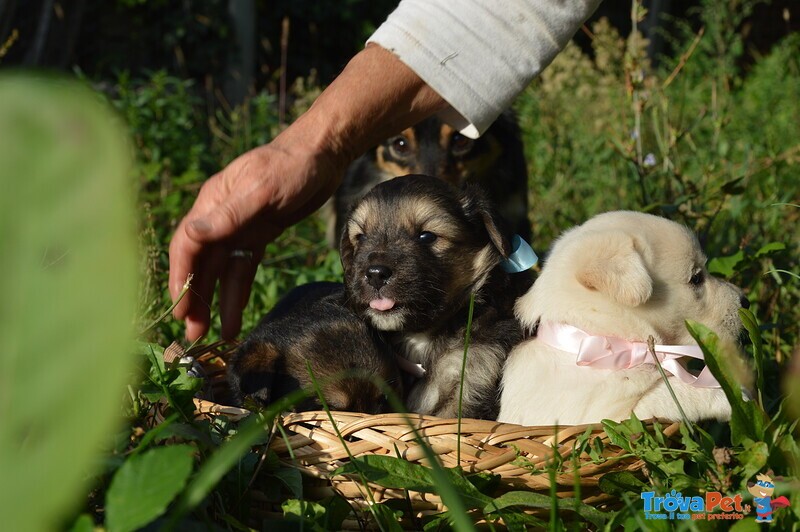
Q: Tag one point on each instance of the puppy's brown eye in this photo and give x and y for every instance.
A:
(426, 237)
(461, 145)
(360, 237)
(697, 279)
(400, 147)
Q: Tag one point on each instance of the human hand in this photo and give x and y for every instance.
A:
(254, 198)
(243, 207)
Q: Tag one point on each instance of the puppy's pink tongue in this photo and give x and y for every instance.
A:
(383, 303)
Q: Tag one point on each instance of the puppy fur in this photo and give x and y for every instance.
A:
(495, 162)
(628, 275)
(416, 247)
(311, 324)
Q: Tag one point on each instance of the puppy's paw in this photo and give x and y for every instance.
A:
(698, 404)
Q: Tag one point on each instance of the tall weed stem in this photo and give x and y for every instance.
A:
(467, 337)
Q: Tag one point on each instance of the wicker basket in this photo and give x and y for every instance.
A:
(518, 454)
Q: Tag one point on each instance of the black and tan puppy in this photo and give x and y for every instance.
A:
(413, 251)
(495, 162)
(312, 325)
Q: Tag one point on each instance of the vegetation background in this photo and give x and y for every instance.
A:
(689, 110)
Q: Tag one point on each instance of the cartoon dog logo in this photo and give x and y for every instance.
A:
(762, 497)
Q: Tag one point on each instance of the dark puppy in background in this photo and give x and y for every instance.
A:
(495, 162)
(312, 325)
(413, 251)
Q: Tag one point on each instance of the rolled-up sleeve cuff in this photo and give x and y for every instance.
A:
(480, 54)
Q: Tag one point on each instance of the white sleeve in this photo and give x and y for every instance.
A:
(480, 54)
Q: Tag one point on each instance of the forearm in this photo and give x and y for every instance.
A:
(480, 54)
(374, 97)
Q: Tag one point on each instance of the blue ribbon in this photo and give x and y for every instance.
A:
(522, 256)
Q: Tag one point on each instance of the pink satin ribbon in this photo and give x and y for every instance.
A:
(607, 352)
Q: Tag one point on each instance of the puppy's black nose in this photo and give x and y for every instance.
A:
(378, 275)
(744, 301)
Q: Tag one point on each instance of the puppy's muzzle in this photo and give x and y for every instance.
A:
(378, 275)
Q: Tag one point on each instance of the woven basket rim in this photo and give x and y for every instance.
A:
(518, 454)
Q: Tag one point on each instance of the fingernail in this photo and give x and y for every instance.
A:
(201, 226)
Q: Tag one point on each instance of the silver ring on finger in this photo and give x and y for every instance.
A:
(242, 254)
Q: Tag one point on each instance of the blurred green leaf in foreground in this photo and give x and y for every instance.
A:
(67, 292)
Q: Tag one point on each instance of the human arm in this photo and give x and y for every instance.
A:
(480, 54)
(256, 196)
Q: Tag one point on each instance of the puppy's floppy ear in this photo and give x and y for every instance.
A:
(478, 208)
(610, 263)
(346, 250)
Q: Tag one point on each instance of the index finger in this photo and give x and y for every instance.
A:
(183, 256)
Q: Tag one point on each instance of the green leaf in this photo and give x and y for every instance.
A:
(637, 524)
(185, 431)
(726, 266)
(291, 478)
(437, 522)
(627, 433)
(770, 248)
(391, 472)
(618, 482)
(310, 513)
(185, 383)
(83, 523)
(530, 499)
(706, 443)
(518, 498)
(229, 454)
(337, 509)
(144, 486)
(748, 524)
(157, 433)
(751, 325)
(465, 489)
(68, 285)
(518, 521)
(155, 354)
(485, 482)
(387, 518)
(688, 440)
(397, 473)
(616, 437)
(753, 459)
(747, 420)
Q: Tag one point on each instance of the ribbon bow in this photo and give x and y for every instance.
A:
(608, 352)
(521, 258)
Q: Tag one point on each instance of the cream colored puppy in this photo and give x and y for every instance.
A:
(607, 286)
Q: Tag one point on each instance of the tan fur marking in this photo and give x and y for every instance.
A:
(445, 134)
(420, 215)
(394, 168)
(391, 168)
(484, 261)
(358, 220)
(336, 396)
(262, 357)
(412, 138)
(478, 168)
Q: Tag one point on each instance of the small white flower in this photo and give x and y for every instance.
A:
(649, 160)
